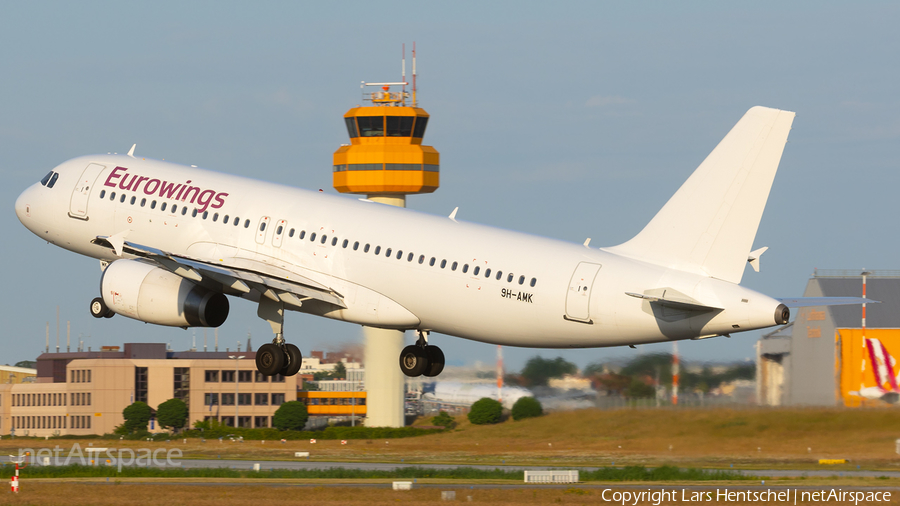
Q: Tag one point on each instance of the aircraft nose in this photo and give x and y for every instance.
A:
(25, 205)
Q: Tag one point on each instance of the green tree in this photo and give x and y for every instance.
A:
(444, 420)
(137, 416)
(527, 407)
(485, 411)
(292, 415)
(340, 371)
(639, 390)
(538, 370)
(173, 414)
(654, 365)
(26, 363)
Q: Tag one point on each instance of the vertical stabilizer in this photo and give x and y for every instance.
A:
(708, 226)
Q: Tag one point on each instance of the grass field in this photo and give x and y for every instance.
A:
(745, 438)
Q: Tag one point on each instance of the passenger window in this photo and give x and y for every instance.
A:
(366, 249)
(334, 241)
(499, 275)
(225, 219)
(121, 200)
(509, 278)
(302, 234)
(153, 205)
(324, 238)
(377, 249)
(534, 282)
(246, 223)
(143, 202)
(194, 213)
(174, 208)
(53, 180)
(521, 280)
(133, 200)
(476, 270)
(184, 211)
(312, 237)
(345, 243)
(236, 221)
(465, 268)
(387, 252)
(421, 258)
(487, 272)
(205, 214)
(355, 245)
(112, 196)
(262, 227)
(163, 206)
(102, 193)
(215, 216)
(279, 230)
(291, 233)
(453, 266)
(399, 254)
(443, 264)
(409, 257)
(47, 178)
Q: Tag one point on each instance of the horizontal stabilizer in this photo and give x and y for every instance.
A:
(826, 301)
(686, 305)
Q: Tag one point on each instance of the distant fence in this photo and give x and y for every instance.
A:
(615, 402)
(551, 476)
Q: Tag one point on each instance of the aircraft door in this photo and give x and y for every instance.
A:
(78, 205)
(280, 227)
(261, 230)
(578, 298)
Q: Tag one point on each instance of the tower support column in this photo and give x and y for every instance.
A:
(385, 383)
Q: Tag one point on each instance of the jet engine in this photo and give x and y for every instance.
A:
(151, 294)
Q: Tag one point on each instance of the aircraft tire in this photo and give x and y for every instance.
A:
(269, 359)
(293, 360)
(413, 361)
(435, 361)
(99, 309)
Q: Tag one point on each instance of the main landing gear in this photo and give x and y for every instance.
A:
(422, 358)
(99, 309)
(277, 357)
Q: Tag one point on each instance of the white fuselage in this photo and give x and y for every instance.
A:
(578, 297)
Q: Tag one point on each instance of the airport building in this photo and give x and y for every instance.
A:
(84, 393)
(14, 375)
(819, 359)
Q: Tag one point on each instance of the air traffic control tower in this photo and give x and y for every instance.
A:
(386, 161)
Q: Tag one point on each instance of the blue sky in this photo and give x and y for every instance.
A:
(563, 119)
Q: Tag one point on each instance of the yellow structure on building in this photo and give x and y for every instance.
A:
(16, 375)
(386, 159)
(333, 403)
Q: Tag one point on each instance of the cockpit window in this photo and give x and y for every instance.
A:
(53, 180)
(46, 178)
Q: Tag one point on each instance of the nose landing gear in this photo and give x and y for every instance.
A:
(422, 358)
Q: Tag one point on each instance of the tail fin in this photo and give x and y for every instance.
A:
(883, 364)
(708, 226)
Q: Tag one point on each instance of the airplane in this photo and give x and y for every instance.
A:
(884, 367)
(175, 241)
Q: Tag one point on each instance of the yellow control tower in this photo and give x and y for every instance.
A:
(386, 159)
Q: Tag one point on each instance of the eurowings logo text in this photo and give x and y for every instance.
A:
(167, 190)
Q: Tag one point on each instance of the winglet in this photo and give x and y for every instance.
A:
(753, 258)
(131, 151)
(587, 242)
(453, 214)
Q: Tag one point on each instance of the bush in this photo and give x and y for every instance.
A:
(292, 415)
(137, 416)
(527, 407)
(485, 410)
(173, 414)
(444, 420)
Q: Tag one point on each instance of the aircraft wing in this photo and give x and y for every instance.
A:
(825, 301)
(273, 283)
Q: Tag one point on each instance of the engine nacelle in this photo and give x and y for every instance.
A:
(151, 294)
